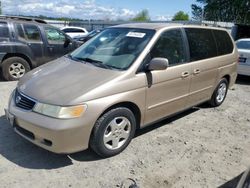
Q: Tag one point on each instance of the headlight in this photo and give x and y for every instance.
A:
(60, 111)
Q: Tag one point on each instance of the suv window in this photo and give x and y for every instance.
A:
(4, 31)
(224, 42)
(32, 32)
(54, 36)
(201, 43)
(170, 45)
(73, 30)
(20, 32)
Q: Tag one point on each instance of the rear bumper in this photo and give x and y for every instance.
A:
(244, 69)
(56, 135)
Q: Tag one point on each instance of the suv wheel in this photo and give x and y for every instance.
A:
(14, 68)
(113, 132)
(220, 93)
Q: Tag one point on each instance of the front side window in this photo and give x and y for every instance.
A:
(4, 31)
(32, 32)
(201, 43)
(170, 45)
(54, 36)
(114, 48)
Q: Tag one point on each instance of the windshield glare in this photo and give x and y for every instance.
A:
(115, 47)
(243, 45)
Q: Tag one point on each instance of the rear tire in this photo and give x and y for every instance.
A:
(220, 93)
(113, 131)
(14, 68)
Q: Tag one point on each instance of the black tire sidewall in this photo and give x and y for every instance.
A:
(214, 97)
(8, 62)
(97, 143)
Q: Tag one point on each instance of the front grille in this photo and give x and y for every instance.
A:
(23, 101)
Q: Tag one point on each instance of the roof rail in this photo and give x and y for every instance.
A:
(23, 18)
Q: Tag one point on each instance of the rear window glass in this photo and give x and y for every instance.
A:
(4, 31)
(224, 42)
(243, 45)
(201, 43)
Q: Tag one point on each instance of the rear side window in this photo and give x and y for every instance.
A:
(4, 32)
(170, 45)
(201, 43)
(32, 32)
(224, 42)
(20, 32)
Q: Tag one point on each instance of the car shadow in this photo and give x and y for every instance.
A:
(232, 183)
(25, 154)
(243, 80)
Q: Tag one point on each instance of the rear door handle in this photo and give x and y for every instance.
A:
(185, 74)
(50, 47)
(197, 71)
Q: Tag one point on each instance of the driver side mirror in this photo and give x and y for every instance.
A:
(158, 64)
(67, 42)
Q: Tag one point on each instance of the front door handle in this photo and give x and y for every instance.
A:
(197, 71)
(185, 74)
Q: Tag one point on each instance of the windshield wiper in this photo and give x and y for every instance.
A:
(95, 62)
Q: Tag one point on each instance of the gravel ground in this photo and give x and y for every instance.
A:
(202, 147)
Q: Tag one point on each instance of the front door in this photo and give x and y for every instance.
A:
(55, 43)
(168, 91)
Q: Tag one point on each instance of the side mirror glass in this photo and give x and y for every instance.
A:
(158, 64)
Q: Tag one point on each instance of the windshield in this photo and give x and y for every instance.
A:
(114, 48)
(243, 45)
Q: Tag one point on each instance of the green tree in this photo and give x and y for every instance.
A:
(224, 10)
(142, 16)
(196, 12)
(180, 16)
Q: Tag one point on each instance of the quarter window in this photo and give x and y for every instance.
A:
(32, 32)
(224, 42)
(170, 45)
(4, 31)
(201, 43)
(54, 35)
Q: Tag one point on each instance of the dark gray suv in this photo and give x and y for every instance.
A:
(26, 43)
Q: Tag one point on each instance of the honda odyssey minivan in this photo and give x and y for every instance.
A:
(125, 78)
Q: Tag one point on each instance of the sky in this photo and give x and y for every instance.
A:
(97, 9)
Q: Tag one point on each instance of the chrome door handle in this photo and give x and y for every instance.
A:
(197, 71)
(184, 74)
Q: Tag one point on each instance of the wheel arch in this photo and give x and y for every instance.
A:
(131, 106)
(9, 55)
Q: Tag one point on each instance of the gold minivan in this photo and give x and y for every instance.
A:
(125, 78)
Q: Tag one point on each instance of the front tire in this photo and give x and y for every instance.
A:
(220, 93)
(113, 131)
(14, 68)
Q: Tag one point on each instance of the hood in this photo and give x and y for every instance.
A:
(62, 81)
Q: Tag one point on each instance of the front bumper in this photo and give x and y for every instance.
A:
(56, 135)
